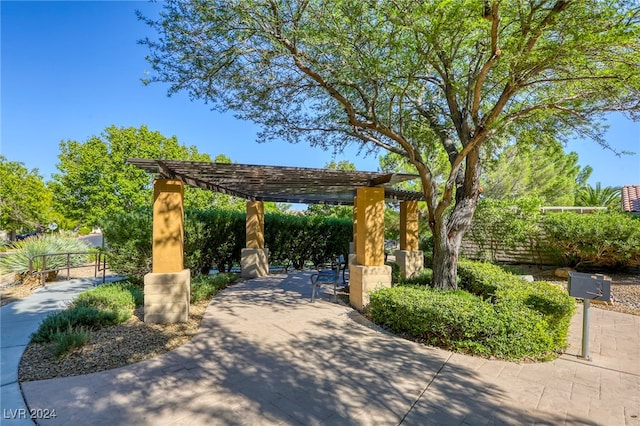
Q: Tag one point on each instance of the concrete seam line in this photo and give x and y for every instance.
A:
(425, 388)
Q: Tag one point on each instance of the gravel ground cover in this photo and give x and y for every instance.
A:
(135, 340)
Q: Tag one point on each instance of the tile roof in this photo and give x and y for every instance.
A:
(631, 198)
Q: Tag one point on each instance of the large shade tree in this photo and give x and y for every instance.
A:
(541, 169)
(94, 181)
(25, 201)
(406, 76)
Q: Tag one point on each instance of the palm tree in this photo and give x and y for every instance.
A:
(598, 197)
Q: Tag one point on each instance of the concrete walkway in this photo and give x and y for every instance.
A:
(18, 320)
(266, 355)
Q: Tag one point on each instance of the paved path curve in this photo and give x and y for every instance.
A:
(266, 355)
(18, 320)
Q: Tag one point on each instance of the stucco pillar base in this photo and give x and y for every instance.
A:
(410, 262)
(365, 279)
(167, 296)
(254, 262)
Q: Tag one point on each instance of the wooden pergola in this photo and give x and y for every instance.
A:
(277, 183)
(167, 286)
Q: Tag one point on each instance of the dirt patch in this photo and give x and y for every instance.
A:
(127, 343)
(625, 287)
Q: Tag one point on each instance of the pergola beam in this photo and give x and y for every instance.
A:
(278, 184)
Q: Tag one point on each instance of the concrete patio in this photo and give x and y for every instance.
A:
(266, 355)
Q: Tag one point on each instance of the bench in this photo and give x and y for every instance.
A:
(331, 276)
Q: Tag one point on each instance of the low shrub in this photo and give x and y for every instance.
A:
(204, 287)
(66, 341)
(549, 300)
(423, 278)
(100, 307)
(495, 313)
(441, 318)
(460, 321)
(481, 278)
(76, 316)
(524, 334)
(115, 296)
(501, 287)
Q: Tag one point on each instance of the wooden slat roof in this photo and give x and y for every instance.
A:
(277, 183)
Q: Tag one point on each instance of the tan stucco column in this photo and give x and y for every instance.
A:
(254, 260)
(352, 244)
(409, 258)
(369, 271)
(167, 287)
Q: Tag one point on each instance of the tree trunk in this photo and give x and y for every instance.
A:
(447, 239)
(449, 230)
(445, 260)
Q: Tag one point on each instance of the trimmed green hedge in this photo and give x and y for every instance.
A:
(128, 238)
(423, 278)
(606, 239)
(296, 240)
(491, 281)
(215, 238)
(495, 313)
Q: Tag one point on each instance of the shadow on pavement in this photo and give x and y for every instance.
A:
(266, 355)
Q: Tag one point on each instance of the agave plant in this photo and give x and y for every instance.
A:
(22, 251)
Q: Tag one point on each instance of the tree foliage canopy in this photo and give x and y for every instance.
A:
(94, 181)
(407, 76)
(545, 171)
(25, 201)
(344, 212)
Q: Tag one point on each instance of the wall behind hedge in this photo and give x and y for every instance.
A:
(517, 232)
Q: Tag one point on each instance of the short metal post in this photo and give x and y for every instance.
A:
(585, 329)
(44, 267)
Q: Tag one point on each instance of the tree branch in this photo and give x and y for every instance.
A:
(495, 54)
(514, 116)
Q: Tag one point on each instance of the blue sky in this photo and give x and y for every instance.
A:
(71, 69)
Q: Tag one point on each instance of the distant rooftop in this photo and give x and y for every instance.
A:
(631, 198)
